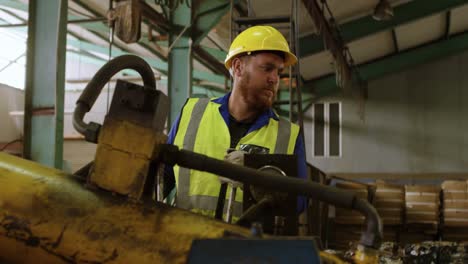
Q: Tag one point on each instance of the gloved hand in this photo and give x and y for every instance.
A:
(236, 157)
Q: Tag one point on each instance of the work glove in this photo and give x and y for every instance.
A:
(235, 157)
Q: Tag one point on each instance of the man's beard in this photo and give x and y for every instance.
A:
(254, 98)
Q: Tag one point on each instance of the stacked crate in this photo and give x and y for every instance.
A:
(455, 210)
(421, 213)
(422, 204)
(348, 224)
(390, 203)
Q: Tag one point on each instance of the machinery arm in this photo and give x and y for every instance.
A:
(372, 237)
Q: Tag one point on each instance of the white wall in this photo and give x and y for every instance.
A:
(415, 122)
(77, 152)
(11, 99)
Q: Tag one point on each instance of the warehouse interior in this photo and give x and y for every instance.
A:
(380, 95)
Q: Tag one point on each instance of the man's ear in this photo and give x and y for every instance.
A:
(237, 67)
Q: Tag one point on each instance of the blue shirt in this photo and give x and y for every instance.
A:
(260, 122)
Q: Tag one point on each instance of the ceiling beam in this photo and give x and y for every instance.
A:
(207, 14)
(155, 63)
(364, 26)
(154, 18)
(102, 29)
(14, 5)
(210, 61)
(408, 59)
(217, 53)
(97, 61)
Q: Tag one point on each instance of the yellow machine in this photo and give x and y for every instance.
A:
(106, 212)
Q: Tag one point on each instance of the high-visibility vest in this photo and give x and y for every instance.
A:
(203, 130)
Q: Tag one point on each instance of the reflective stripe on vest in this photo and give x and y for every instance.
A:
(282, 139)
(284, 145)
(189, 142)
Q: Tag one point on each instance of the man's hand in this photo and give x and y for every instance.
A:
(235, 157)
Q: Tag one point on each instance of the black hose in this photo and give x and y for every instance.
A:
(78, 115)
(171, 155)
(372, 236)
(94, 87)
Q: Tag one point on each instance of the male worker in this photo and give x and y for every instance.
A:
(243, 117)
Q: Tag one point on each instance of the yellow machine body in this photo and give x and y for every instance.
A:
(123, 157)
(47, 216)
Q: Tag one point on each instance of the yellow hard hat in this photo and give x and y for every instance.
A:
(259, 38)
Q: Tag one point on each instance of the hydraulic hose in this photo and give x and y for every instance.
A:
(94, 87)
(372, 237)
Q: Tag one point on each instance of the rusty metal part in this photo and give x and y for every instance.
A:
(46, 216)
(43, 111)
(129, 139)
(127, 20)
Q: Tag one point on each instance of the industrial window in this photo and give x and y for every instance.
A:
(327, 129)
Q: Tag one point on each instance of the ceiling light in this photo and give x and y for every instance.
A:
(383, 11)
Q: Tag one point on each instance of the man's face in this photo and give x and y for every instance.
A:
(259, 79)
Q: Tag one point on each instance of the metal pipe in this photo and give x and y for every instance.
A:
(94, 87)
(372, 237)
(254, 211)
(171, 155)
(232, 197)
(76, 21)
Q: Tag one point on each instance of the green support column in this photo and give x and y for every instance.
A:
(180, 59)
(45, 82)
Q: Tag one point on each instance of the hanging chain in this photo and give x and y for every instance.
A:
(343, 80)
